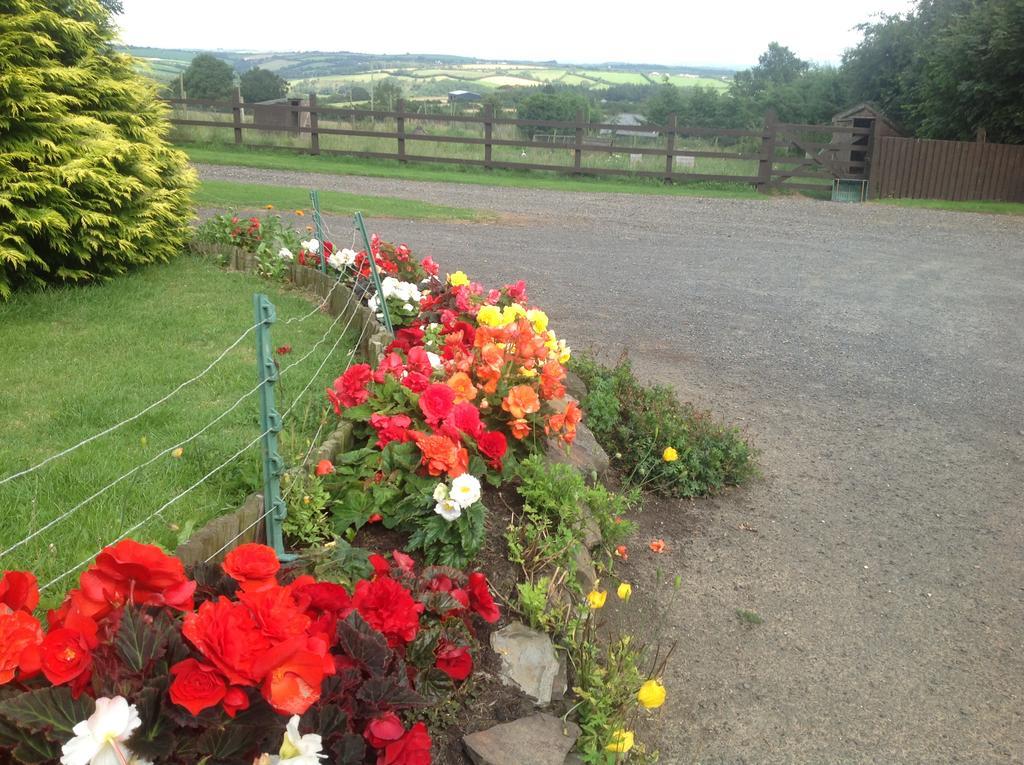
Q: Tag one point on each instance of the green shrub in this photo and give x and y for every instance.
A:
(88, 184)
(635, 423)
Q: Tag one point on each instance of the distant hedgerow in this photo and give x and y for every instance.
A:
(88, 184)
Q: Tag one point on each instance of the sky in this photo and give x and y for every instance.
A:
(730, 34)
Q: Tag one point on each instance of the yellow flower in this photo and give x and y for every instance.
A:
(651, 694)
(527, 372)
(511, 313)
(565, 352)
(596, 598)
(307, 499)
(269, 207)
(538, 319)
(489, 316)
(620, 742)
(458, 279)
(625, 591)
(670, 454)
(177, 453)
(300, 213)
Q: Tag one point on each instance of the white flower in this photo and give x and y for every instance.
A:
(448, 509)
(435, 360)
(342, 260)
(440, 492)
(465, 490)
(285, 254)
(373, 303)
(313, 245)
(300, 750)
(407, 306)
(99, 740)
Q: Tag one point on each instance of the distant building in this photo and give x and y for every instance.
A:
(863, 115)
(457, 96)
(272, 114)
(630, 120)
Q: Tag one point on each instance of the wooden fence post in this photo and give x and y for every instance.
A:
(488, 135)
(236, 114)
(767, 154)
(314, 125)
(400, 129)
(670, 146)
(577, 154)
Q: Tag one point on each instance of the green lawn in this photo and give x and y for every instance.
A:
(79, 360)
(994, 208)
(253, 195)
(286, 160)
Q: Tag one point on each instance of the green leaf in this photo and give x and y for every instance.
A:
(363, 643)
(139, 642)
(434, 685)
(48, 710)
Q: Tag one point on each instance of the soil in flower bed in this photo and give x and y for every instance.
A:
(484, 701)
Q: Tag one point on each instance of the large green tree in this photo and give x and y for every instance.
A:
(946, 68)
(262, 85)
(209, 77)
(88, 184)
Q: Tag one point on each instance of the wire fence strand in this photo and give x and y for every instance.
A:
(160, 509)
(134, 417)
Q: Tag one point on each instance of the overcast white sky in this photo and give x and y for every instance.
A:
(731, 33)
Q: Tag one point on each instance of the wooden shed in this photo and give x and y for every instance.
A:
(863, 115)
(273, 114)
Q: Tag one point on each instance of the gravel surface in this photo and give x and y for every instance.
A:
(876, 356)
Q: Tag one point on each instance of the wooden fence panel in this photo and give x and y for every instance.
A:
(955, 170)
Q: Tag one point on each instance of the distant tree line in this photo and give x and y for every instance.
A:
(943, 70)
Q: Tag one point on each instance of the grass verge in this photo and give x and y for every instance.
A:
(993, 208)
(276, 159)
(255, 195)
(78, 360)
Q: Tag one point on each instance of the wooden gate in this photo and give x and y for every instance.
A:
(810, 157)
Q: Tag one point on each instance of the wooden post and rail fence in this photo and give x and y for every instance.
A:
(779, 156)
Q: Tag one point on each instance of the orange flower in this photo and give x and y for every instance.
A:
(551, 376)
(520, 429)
(300, 213)
(658, 546)
(442, 455)
(622, 551)
(565, 421)
(463, 387)
(521, 401)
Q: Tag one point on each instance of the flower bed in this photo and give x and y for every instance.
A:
(141, 663)
(356, 656)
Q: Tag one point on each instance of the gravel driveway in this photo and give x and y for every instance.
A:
(876, 355)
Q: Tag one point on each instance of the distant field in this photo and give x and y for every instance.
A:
(419, 75)
(414, 80)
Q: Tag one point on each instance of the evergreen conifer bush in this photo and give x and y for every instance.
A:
(88, 184)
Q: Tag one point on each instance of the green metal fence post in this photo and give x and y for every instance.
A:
(375, 273)
(318, 222)
(274, 507)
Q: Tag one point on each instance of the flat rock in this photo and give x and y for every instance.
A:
(574, 385)
(586, 574)
(591, 531)
(528, 660)
(536, 740)
(585, 454)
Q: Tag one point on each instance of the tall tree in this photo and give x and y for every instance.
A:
(946, 68)
(88, 183)
(262, 85)
(209, 77)
(974, 75)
